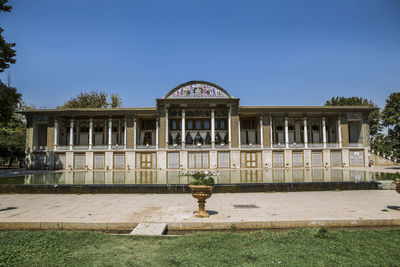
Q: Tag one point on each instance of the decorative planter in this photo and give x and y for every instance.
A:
(201, 193)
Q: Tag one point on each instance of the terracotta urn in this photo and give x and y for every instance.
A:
(201, 193)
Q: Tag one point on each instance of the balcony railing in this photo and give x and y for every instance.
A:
(355, 145)
(296, 145)
(250, 145)
(174, 146)
(197, 146)
(100, 147)
(332, 145)
(146, 146)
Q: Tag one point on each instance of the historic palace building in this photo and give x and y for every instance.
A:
(198, 125)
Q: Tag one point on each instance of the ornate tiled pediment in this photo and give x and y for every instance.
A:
(197, 89)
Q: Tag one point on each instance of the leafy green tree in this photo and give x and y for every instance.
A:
(391, 119)
(116, 101)
(12, 127)
(93, 99)
(12, 140)
(7, 53)
(375, 126)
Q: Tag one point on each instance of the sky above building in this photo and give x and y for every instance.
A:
(267, 52)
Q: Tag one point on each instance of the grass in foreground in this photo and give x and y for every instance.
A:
(303, 247)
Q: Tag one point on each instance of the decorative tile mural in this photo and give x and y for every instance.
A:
(198, 90)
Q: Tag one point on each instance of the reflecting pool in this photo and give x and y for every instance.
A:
(297, 175)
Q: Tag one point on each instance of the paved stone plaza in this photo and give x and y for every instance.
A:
(266, 210)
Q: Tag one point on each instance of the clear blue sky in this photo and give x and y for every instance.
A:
(269, 52)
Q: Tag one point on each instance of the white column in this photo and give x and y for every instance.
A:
(157, 132)
(305, 133)
(119, 132)
(125, 125)
(77, 133)
(240, 136)
(71, 134)
(271, 129)
(55, 134)
(339, 134)
(212, 128)
(286, 132)
(105, 132)
(183, 129)
(324, 131)
(109, 133)
(261, 131)
(166, 128)
(90, 133)
(229, 128)
(134, 133)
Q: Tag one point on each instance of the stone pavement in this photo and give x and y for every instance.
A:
(260, 210)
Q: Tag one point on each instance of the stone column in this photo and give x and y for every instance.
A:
(286, 132)
(324, 131)
(212, 128)
(183, 129)
(109, 133)
(90, 133)
(229, 128)
(305, 133)
(71, 134)
(166, 128)
(271, 134)
(339, 132)
(134, 133)
(157, 132)
(261, 131)
(55, 134)
(125, 132)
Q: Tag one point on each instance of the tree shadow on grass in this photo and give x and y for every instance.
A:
(8, 208)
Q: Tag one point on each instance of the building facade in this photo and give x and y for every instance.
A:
(198, 125)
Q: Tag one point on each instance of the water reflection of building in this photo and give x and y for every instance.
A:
(198, 125)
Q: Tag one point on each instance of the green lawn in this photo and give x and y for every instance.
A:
(302, 247)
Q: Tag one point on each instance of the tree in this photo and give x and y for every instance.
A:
(9, 102)
(391, 119)
(12, 127)
(93, 99)
(375, 126)
(116, 101)
(7, 53)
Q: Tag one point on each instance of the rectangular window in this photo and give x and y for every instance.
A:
(223, 160)
(173, 160)
(277, 160)
(206, 124)
(297, 159)
(316, 159)
(119, 160)
(250, 159)
(336, 158)
(356, 158)
(99, 160)
(146, 160)
(79, 161)
(198, 124)
(190, 125)
(222, 125)
(198, 160)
